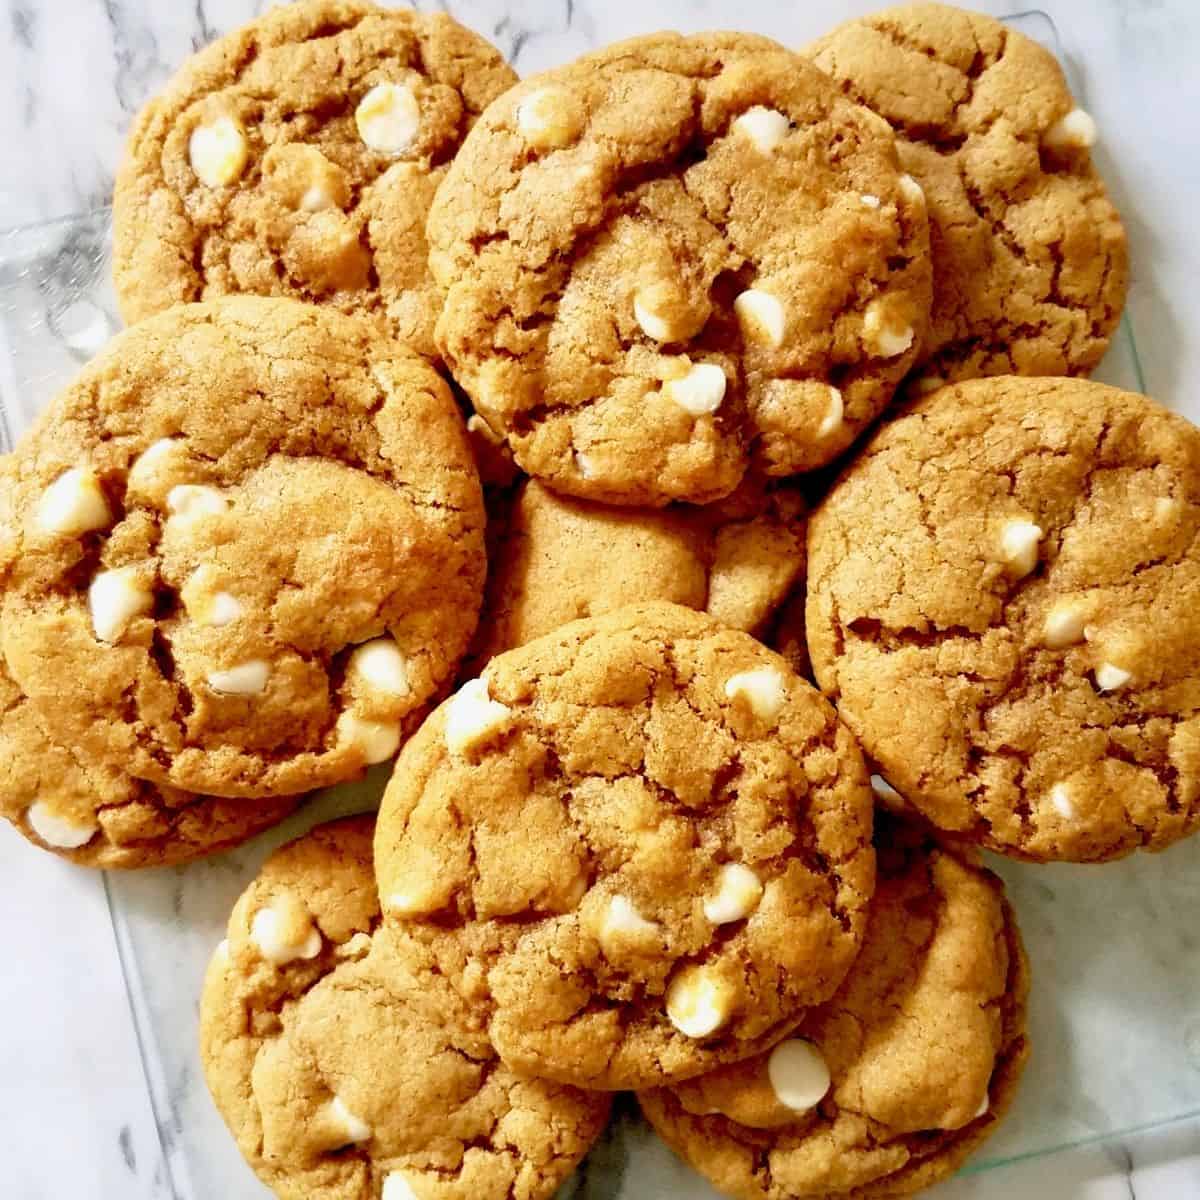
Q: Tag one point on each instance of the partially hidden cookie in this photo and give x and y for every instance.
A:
(638, 847)
(556, 559)
(333, 1083)
(889, 1086)
(1004, 604)
(298, 156)
(676, 256)
(1030, 262)
(249, 549)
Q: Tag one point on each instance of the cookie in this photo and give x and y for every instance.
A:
(298, 157)
(637, 848)
(333, 1083)
(888, 1087)
(1030, 262)
(675, 256)
(555, 559)
(1004, 604)
(250, 549)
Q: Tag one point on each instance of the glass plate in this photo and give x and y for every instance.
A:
(1115, 1018)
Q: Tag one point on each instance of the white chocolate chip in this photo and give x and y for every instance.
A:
(884, 333)
(246, 679)
(925, 384)
(218, 152)
(762, 689)
(984, 1105)
(388, 118)
(761, 317)
(1111, 678)
(738, 892)
(623, 924)
(911, 190)
(195, 501)
(396, 1187)
(1019, 543)
(698, 1003)
(765, 127)
(1075, 131)
(700, 391)
(1060, 798)
(869, 201)
(884, 791)
(355, 1128)
(115, 597)
(799, 1074)
(153, 469)
(57, 831)
(207, 604)
(316, 199)
(473, 717)
(1064, 624)
(549, 118)
(652, 307)
(381, 666)
(379, 740)
(585, 465)
(835, 414)
(74, 503)
(356, 947)
(283, 938)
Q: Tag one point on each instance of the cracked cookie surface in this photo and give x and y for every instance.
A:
(1003, 599)
(673, 257)
(1030, 262)
(555, 559)
(888, 1087)
(237, 570)
(298, 156)
(335, 1086)
(637, 848)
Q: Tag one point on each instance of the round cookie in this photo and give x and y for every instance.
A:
(333, 1083)
(298, 156)
(1004, 604)
(636, 848)
(239, 569)
(1030, 262)
(555, 559)
(675, 256)
(888, 1087)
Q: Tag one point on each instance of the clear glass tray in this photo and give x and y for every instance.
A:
(1115, 1014)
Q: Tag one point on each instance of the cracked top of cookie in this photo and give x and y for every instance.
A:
(333, 1083)
(890, 1085)
(673, 257)
(298, 156)
(237, 568)
(555, 559)
(1003, 599)
(640, 846)
(1030, 263)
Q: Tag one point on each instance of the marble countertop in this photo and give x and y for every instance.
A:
(77, 1115)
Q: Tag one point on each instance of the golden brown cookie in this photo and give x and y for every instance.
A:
(333, 1083)
(298, 156)
(1030, 263)
(1004, 604)
(555, 559)
(638, 846)
(250, 549)
(888, 1087)
(674, 256)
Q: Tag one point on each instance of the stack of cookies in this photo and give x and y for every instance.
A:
(684, 461)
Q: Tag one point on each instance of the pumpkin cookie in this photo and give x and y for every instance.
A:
(1030, 262)
(298, 156)
(239, 570)
(555, 559)
(638, 847)
(333, 1083)
(673, 257)
(1004, 604)
(888, 1087)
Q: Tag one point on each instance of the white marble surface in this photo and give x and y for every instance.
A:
(76, 1114)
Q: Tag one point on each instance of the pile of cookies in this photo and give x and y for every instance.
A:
(553, 435)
